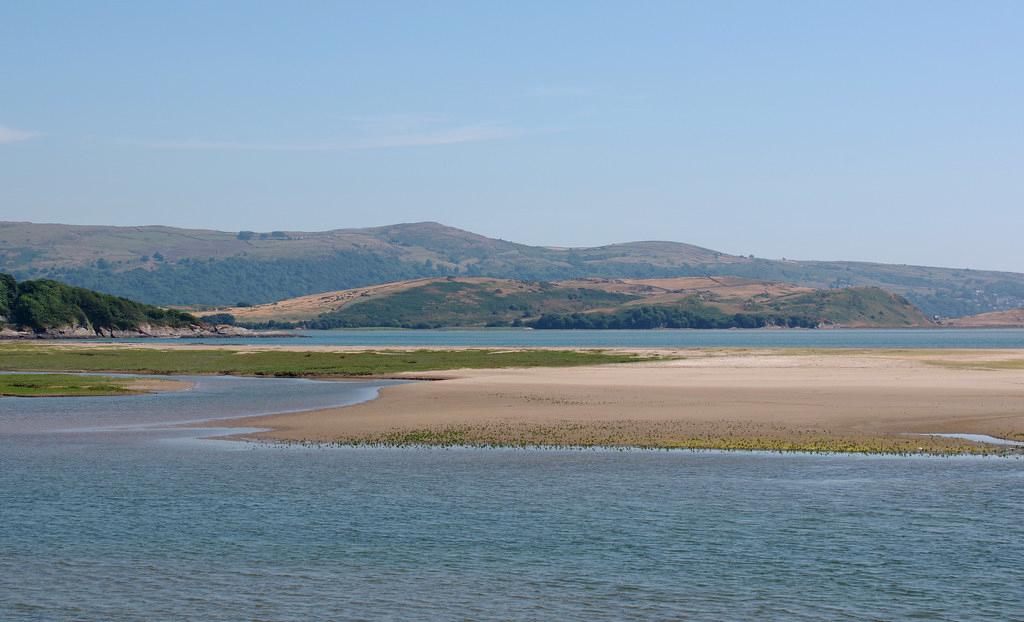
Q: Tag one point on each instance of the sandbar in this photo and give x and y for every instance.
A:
(863, 400)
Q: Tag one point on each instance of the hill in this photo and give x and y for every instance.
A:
(1014, 318)
(686, 302)
(48, 307)
(165, 265)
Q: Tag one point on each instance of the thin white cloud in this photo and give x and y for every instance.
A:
(425, 138)
(558, 90)
(10, 135)
(449, 136)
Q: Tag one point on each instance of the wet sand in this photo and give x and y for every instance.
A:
(157, 385)
(872, 400)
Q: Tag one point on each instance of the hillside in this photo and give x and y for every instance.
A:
(530, 295)
(1014, 318)
(165, 265)
(44, 306)
(687, 302)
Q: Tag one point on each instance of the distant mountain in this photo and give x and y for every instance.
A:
(165, 265)
(685, 302)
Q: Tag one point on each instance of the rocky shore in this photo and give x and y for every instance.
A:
(142, 331)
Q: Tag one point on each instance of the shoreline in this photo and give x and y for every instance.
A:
(982, 452)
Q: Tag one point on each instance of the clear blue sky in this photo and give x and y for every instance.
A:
(890, 131)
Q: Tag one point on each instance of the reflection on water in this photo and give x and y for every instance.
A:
(767, 338)
(129, 524)
(982, 438)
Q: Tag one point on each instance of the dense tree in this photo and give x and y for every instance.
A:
(8, 292)
(42, 304)
(688, 316)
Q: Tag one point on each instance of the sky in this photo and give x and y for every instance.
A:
(880, 131)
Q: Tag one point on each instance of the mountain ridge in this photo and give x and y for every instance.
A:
(167, 265)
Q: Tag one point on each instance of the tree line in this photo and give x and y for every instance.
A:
(646, 317)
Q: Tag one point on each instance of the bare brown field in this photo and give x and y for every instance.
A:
(1013, 318)
(308, 307)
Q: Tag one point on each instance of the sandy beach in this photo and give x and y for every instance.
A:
(875, 400)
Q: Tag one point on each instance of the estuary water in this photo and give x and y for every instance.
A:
(107, 513)
(669, 338)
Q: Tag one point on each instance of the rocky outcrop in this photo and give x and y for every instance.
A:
(141, 332)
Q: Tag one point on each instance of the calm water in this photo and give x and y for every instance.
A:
(860, 338)
(145, 523)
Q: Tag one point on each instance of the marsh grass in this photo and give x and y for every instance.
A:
(662, 435)
(287, 363)
(62, 385)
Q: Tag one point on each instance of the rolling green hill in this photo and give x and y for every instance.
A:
(687, 302)
(164, 265)
(442, 303)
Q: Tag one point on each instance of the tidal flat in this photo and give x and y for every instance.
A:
(863, 401)
(870, 401)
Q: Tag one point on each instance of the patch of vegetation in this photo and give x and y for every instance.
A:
(44, 304)
(8, 293)
(61, 385)
(866, 306)
(287, 363)
(850, 307)
(660, 435)
(690, 314)
(459, 303)
(219, 318)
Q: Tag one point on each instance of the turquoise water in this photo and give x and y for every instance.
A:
(107, 514)
(860, 338)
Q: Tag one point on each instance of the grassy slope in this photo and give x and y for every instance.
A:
(1014, 318)
(211, 267)
(459, 303)
(560, 296)
(857, 307)
(62, 385)
(24, 357)
(481, 302)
